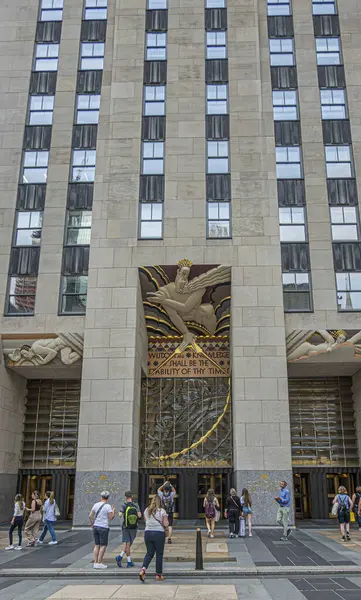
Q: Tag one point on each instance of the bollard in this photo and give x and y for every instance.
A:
(199, 551)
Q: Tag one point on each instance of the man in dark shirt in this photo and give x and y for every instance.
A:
(131, 513)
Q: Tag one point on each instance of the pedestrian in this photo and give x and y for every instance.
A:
(356, 499)
(100, 516)
(344, 508)
(284, 507)
(131, 514)
(167, 494)
(50, 510)
(17, 521)
(210, 505)
(232, 513)
(156, 524)
(246, 502)
(33, 523)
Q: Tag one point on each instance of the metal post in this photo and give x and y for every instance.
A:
(199, 551)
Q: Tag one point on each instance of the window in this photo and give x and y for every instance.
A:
(217, 157)
(344, 223)
(79, 228)
(338, 161)
(92, 56)
(217, 99)
(156, 46)
(288, 162)
(87, 109)
(28, 228)
(219, 224)
(278, 7)
(154, 100)
(333, 104)
(216, 44)
(328, 51)
(151, 221)
(46, 57)
(281, 52)
(292, 224)
(215, 3)
(296, 292)
(35, 167)
(95, 10)
(324, 7)
(83, 166)
(51, 10)
(22, 292)
(157, 4)
(285, 106)
(73, 294)
(153, 158)
(348, 291)
(41, 110)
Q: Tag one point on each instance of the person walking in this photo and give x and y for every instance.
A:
(356, 499)
(246, 502)
(100, 516)
(33, 523)
(17, 521)
(210, 505)
(284, 507)
(167, 494)
(49, 518)
(232, 513)
(156, 524)
(131, 514)
(344, 508)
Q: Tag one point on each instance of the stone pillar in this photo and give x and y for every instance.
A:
(12, 397)
(262, 449)
(356, 389)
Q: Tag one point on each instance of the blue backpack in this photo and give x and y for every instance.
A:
(343, 503)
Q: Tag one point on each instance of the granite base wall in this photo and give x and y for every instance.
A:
(90, 484)
(8, 489)
(263, 487)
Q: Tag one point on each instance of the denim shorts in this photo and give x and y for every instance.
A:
(101, 535)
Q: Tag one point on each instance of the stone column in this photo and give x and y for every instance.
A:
(262, 449)
(12, 402)
(356, 389)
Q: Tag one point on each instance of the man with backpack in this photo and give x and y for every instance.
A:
(131, 514)
(166, 493)
(344, 508)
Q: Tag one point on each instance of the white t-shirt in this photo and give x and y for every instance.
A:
(154, 523)
(102, 518)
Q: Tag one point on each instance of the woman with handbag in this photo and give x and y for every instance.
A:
(232, 513)
(50, 514)
(156, 526)
(344, 507)
(247, 511)
(211, 506)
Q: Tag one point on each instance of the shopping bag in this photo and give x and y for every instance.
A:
(334, 509)
(352, 517)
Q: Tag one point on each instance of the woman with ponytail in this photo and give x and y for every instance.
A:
(49, 518)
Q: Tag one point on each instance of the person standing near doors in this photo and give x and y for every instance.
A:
(167, 494)
(33, 523)
(284, 507)
(210, 505)
(344, 508)
(232, 513)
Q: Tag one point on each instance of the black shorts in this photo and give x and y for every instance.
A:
(170, 518)
(344, 516)
(101, 535)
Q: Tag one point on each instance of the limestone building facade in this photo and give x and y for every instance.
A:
(224, 134)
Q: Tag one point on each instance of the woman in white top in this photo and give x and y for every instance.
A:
(49, 518)
(156, 522)
(17, 521)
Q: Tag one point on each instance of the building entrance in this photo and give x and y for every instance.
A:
(61, 483)
(334, 481)
(301, 486)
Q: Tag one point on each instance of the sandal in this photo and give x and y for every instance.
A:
(142, 576)
(159, 578)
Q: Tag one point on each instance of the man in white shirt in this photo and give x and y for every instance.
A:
(100, 516)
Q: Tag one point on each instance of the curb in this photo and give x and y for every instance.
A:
(240, 573)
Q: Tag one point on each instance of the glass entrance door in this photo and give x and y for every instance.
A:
(30, 483)
(216, 482)
(301, 486)
(334, 481)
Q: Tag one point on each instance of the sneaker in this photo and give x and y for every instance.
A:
(130, 564)
(343, 539)
(230, 536)
(211, 536)
(250, 535)
(30, 544)
(289, 531)
(118, 560)
(52, 543)
(95, 566)
(102, 566)
(39, 542)
(347, 537)
(237, 535)
(208, 533)
(283, 538)
(11, 547)
(18, 547)
(170, 541)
